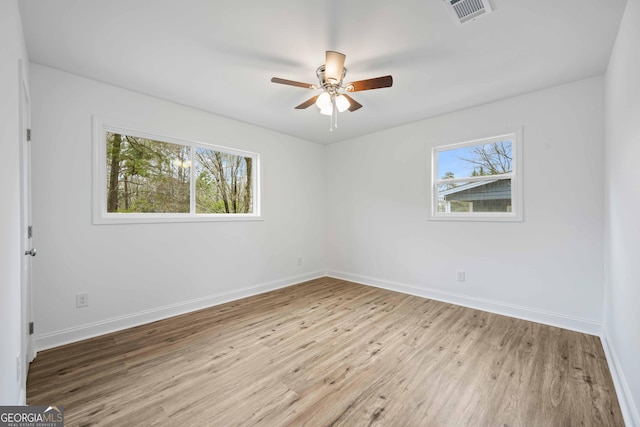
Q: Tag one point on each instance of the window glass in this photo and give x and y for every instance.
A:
(478, 180)
(144, 175)
(140, 177)
(492, 195)
(223, 182)
(476, 160)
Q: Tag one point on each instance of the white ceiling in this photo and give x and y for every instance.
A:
(219, 55)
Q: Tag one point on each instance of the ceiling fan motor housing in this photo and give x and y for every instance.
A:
(328, 84)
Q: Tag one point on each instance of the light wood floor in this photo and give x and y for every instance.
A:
(329, 353)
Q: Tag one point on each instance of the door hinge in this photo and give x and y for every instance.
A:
(31, 327)
(29, 231)
(28, 134)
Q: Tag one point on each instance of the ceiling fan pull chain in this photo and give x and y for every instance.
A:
(335, 111)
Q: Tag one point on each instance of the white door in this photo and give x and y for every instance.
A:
(28, 251)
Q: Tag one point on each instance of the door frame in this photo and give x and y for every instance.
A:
(26, 294)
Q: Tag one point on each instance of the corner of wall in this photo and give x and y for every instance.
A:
(625, 399)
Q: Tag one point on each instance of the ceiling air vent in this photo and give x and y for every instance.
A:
(467, 10)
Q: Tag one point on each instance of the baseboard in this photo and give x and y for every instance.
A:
(31, 351)
(70, 335)
(497, 307)
(627, 406)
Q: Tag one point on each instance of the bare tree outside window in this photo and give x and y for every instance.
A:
(223, 182)
(491, 159)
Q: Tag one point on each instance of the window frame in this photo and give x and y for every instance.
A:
(516, 214)
(100, 214)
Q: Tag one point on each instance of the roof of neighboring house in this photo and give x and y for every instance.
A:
(495, 189)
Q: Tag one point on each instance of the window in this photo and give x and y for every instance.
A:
(140, 177)
(478, 180)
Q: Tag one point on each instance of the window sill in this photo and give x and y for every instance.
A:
(488, 217)
(171, 218)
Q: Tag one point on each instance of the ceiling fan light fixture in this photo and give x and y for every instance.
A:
(342, 103)
(324, 101)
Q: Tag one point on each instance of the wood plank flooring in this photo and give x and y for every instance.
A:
(331, 353)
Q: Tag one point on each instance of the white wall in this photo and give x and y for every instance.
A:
(548, 268)
(12, 50)
(622, 225)
(136, 273)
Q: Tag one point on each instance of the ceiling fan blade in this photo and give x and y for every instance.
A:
(307, 103)
(377, 83)
(353, 104)
(291, 83)
(334, 65)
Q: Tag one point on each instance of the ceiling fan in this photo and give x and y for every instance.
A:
(334, 98)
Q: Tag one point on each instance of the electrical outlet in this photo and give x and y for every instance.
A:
(82, 300)
(461, 276)
(299, 260)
